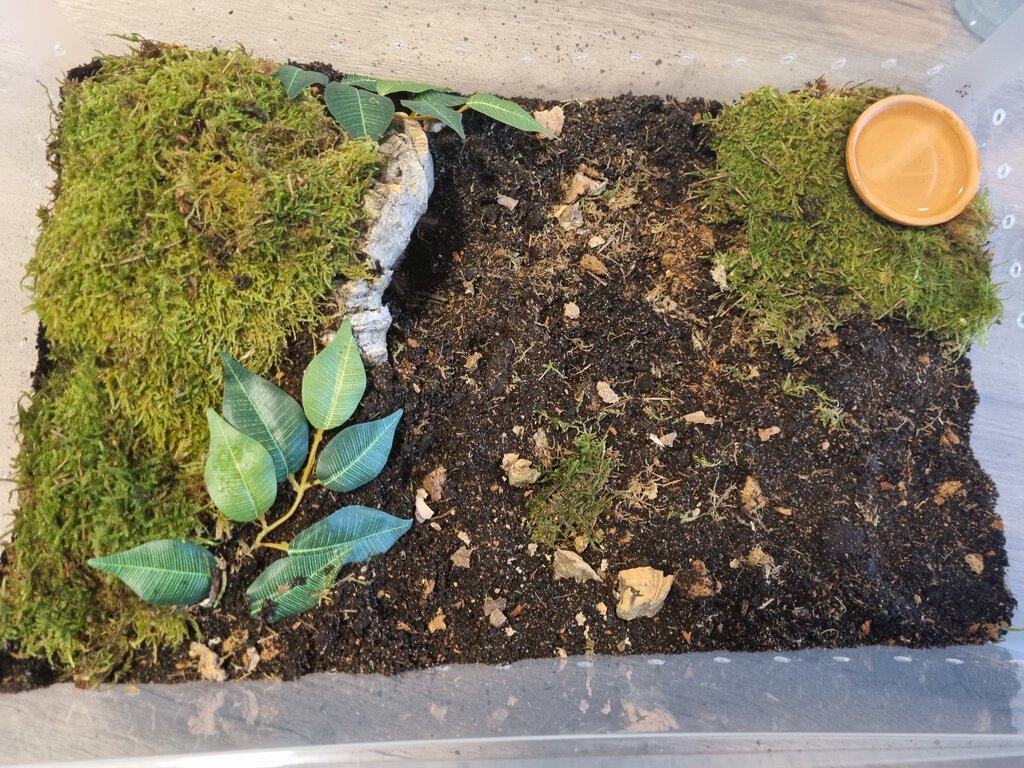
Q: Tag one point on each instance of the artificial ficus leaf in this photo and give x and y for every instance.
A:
(384, 87)
(507, 112)
(357, 454)
(289, 586)
(264, 412)
(240, 476)
(296, 80)
(446, 115)
(360, 81)
(442, 97)
(334, 381)
(362, 114)
(162, 572)
(363, 531)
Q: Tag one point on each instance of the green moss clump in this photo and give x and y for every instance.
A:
(573, 494)
(82, 491)
(199, 210)
(811, 255)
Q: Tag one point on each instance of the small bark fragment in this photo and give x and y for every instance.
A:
(606, 393)
(641, 592)
(520, 472)
(752, 497)
(698, 417)
(569, 565)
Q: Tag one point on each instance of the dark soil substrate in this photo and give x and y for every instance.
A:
(879, 532)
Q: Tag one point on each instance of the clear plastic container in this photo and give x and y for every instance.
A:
(874, 706)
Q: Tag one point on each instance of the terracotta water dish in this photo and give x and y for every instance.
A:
(913, 161)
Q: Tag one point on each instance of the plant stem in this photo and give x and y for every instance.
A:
(300, 490)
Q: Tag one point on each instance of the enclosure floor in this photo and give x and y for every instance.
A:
(541, 48)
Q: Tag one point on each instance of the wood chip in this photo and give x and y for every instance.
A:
(590, 263)
(569, 217)
(947, 490)
(584, 186)
(471, 361)
(494, 610)
(437, 623)
(752, 497)
(641, 592)
(606, 393)
(595, 241)
(434, 482)
(976, 563)
(519, 471)
(460, 558)
(423, 512)
(209, 663)
(507, 202)
(767, 434)
(698, 417)
(755, 558)
(949, 437)
(570, 310)
(719, 276)
(663, 441)
(569, 565)
(251, 659)
(553, 119)
(542, 446)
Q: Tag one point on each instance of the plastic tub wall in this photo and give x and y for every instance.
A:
(854, 707)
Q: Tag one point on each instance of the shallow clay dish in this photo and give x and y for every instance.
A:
(913, 161)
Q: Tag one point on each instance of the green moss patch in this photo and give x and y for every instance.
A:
(810, 255)
(574, 494)
(84, 491)
(197, 210)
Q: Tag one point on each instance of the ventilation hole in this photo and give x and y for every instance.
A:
(889, 63)
(998, 116)
(1015, 269)
(789, 58)
(839, 63)
(1008, 221)
(1003, 171)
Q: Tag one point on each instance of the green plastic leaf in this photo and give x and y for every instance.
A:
(507, 112)
(334, 381)
(267, 414)
(240, 473)
(350, 535)
(162, 572)
(442, 98)
(360, 81)
(384, 87)
(357, 454)
(362, 114)
(296, 80)
(446, 115)
(289, 586)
